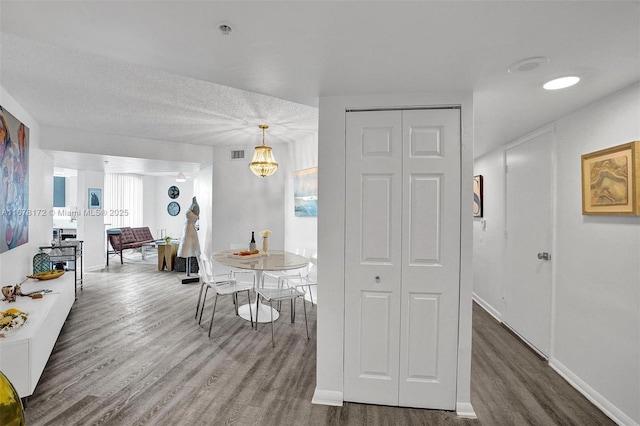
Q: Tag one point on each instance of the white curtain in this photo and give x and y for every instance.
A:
(123, 200)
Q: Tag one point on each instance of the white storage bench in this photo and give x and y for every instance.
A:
(24, 352)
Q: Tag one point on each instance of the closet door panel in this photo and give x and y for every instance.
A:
(373, 257)
(426, 208)
(402, 257)
(376, 218)
(430, 258)
(422, 358)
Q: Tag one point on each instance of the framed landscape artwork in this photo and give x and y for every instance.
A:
(305, 192)
(611, 181)
(477, 195)
(14, 196)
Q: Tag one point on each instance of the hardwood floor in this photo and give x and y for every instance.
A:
(512, 385)
(131, 353)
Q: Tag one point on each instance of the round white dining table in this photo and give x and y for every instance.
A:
(275, 260)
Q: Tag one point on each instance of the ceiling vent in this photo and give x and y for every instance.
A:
(237, 154)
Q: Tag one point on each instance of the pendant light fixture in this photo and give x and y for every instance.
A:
(263, 164)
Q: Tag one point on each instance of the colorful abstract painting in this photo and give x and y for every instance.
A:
(14, 198)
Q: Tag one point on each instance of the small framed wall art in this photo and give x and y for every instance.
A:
(611, 181)
(95, 198)
(173, 208)
(174, 192)
(477, 195)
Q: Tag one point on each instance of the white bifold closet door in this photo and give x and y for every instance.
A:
(402, 261)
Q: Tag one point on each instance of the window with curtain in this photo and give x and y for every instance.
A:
(123, 196)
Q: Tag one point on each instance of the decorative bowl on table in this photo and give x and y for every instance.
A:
(47, 275)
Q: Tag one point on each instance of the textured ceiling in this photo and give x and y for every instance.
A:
(160, 70)
(78, 90)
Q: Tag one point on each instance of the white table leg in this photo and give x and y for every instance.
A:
(264, 315)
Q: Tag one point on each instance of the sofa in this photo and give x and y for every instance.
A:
(127, 238)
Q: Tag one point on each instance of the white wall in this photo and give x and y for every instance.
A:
(488, 236)
(597, 299)
(15, 264)
(90, 228)
(300, 232)
(243, 202)
(174, 225)
(203, 189)
(331, 235)
(596, 288)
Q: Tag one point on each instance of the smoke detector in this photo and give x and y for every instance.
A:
(225, 28)
(527, 65)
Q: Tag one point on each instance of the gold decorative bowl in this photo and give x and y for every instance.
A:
(47, 275)
(11, 411)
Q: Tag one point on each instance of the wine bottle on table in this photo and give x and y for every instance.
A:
(252, 244)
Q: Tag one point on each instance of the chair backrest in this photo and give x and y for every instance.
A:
(312, 271)
(306, 252)
(206, 269)
(310, 254)
(301, 251)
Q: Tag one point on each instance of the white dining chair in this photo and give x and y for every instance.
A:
(279, 295)
(242, 274)
(223, 285)
(306, 280)
(280, 276)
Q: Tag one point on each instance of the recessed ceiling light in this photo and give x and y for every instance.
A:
(561, 83)
(225, 28)
(528, 64)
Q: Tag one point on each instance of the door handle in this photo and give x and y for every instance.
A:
(544, 256)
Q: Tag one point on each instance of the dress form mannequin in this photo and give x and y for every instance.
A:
(189, 244)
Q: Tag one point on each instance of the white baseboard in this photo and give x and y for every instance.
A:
(592, 395)
(464, 409)
(487, 307)
(335, 398)
(327, 397)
